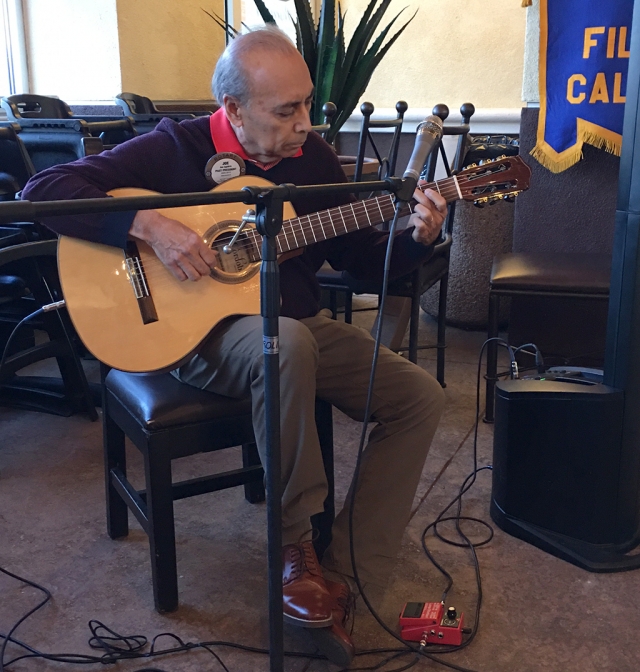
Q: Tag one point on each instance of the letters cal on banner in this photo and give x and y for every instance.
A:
(584, 53)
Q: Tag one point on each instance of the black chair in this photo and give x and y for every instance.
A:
(16, 166)
(144, 114)
(331, 281)
(15, 170)
(550, 275)
(436, 269)
(33, 106)
(28, 281)
(53, 135)
(133, 103)
(165, 420)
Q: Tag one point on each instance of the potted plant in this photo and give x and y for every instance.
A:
(340, 72)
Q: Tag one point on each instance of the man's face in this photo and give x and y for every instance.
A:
(274, 122)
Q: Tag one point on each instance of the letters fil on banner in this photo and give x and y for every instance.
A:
(584, 54)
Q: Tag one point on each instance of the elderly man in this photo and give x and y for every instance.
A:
(265, 91)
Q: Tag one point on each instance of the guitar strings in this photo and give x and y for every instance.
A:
(293, 227)
(449, 188)
(322, 219)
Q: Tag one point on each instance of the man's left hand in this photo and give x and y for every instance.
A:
(428, 215)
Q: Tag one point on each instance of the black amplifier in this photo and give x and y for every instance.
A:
(561, 480)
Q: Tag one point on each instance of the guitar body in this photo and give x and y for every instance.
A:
(115, 325)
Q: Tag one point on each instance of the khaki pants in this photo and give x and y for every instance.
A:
(330, 359)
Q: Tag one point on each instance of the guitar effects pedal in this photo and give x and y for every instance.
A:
(429, 622)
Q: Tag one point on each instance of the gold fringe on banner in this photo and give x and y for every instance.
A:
(609, 145)
(527, 3)
(554, 164)
(592, 134)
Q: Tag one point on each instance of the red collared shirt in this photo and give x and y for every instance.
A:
(225, 140)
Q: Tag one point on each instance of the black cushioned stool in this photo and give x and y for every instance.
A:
(165, 420)
(558, 275)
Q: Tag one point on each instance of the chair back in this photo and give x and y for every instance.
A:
(54, 141)
(144, 114)
(329, 110)
(132, 103)
(461, 131)
(387, 165)
(31, 106)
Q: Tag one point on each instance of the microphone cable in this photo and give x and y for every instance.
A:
(409, 647)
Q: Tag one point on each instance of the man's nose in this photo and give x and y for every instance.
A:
(303, 122)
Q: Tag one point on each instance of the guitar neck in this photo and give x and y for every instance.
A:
(318, 226)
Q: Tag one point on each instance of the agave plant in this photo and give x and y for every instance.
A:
(339, 72)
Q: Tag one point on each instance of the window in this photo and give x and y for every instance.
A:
(13, 70)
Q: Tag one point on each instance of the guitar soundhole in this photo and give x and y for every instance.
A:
(238, 264)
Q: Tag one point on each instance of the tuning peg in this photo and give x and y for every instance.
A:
(481, 162)
(479, 203)
(473, 165)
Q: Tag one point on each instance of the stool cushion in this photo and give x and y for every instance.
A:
(160, 401)
(552, 272)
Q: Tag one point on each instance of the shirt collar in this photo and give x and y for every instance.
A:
(225, 140)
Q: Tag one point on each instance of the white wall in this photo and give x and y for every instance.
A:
(73, 48)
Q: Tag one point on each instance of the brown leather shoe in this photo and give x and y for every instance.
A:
(306, 600)
(335, 642)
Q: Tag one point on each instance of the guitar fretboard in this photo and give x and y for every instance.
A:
(318, 226)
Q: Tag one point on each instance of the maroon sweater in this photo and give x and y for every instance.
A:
(172, 158)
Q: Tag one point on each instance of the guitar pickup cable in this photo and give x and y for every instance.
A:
(56, 305)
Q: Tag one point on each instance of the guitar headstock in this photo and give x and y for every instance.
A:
(500, 179)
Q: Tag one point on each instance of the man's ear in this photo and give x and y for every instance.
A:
(233, 109)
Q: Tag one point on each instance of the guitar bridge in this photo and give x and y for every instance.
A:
(138, 280)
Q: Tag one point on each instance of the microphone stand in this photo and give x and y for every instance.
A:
(268, 220)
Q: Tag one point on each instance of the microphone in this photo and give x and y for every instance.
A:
(428, 135)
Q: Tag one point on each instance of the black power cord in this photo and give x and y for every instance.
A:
(469, 481)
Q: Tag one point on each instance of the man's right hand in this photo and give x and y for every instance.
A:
(179, 248)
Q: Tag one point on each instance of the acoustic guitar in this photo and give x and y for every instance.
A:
(133, 315)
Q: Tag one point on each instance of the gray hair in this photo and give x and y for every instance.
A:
(230, 76)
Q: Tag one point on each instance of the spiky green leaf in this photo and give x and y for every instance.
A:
(339, 60)
(266, 15)
(227, 27)
(358, 82)
(307, 34)
(296, 25)
(326, 57)
(363, 33)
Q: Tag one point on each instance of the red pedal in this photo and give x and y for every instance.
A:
(428, 621)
